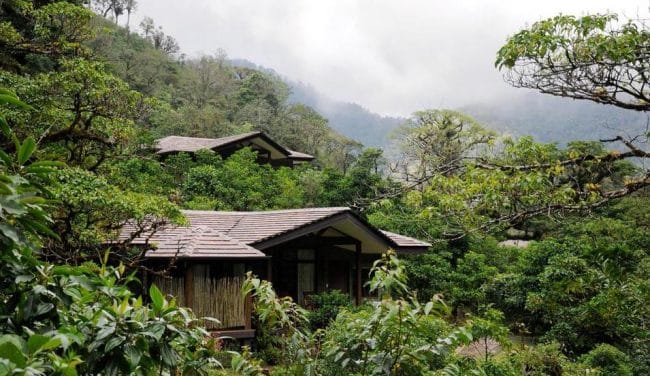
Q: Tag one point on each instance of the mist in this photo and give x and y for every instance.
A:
(392, 57)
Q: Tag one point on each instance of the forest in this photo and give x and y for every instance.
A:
(539, 261)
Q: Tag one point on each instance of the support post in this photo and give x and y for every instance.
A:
(248, 311)
(189, 285)
(358, 282)
(269, 270)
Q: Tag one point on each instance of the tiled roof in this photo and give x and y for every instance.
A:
(192, 144)
(198, 242)
(405, 241)
(225, 234)
(253, 227)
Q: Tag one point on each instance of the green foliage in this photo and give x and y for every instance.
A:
(84, 113)
(241, 183)
(547, 359)
(437, 141)
(572, 56)
(582, 288)
(396, 335)
(283, 323)
(609, 360)
(78, 320)
(520, 180)
(325, 306)
(90, 212)
(490, 326)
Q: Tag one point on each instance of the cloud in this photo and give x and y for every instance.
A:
(393, 57)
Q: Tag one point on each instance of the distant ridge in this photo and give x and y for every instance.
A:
(349, 119)
(546, 118)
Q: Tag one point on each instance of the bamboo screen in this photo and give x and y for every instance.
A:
(174, 286)
(218, 296)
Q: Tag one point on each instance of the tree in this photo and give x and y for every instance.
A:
(34, 36)
(116, 7)
(86, 113)
(593, 58)
(158, 38)
(437, 142)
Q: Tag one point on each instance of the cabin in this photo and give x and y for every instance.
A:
(301, 251)
(268, 150)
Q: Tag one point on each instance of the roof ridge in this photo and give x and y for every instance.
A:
(183, 246)
(337, 208)
(233, 226)
(196, 234)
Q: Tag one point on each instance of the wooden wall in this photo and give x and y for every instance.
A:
(210, 289)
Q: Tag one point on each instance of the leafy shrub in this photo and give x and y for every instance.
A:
(546, 359)
(325, 306)
(610, 360)
(283, 326)
(390, 336)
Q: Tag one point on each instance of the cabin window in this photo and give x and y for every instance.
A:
(306, 274)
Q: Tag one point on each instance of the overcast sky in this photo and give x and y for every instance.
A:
(390, 56)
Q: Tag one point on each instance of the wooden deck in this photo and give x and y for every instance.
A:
(234, 333)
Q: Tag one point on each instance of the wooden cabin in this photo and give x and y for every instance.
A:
(301, 251)
(267, 149)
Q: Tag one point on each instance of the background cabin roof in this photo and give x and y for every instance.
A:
(300, 156)
(175, 144)
(263, 229)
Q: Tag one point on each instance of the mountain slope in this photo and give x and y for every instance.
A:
(554, 119)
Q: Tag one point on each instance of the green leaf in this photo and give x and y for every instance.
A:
(40, 228)
(13, 101)
(9, 232)
(4, 126)
(157, 298)
(48, 164)
(113, 343)
(105, 332)
(156, 331)
(41, 309)
(6, 159)
(26, 150)
(132, 355)
(167, 354)
(35, 342)
(11, 348)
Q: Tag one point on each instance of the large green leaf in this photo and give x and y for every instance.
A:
(157, 298)
(35, 342)
(5, 158)
(11, 348)
(26, 150)
(13, 101)
(4, 126)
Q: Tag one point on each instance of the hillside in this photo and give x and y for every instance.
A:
(349, 119)
(210, 96)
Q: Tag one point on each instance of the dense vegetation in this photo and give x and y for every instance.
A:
(83, 99)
